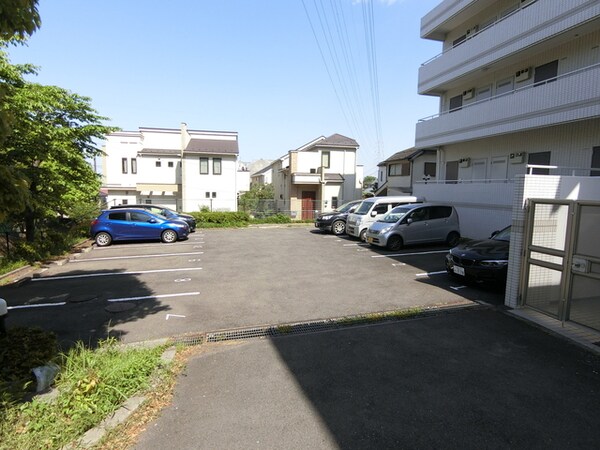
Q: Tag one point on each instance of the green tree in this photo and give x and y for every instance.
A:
(18, 18)
(368, 181)
(52, 133)
(254, 199)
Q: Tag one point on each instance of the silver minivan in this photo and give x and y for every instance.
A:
(415, 224)
(372, 209)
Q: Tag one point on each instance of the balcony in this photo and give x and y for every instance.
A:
(541, 24)
(448, 15)
(569, 97)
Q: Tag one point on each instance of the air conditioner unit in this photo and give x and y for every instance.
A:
(522, 75)
(517, 158)
(464, 162)
(468, 94)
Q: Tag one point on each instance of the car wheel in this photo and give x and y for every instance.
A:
(363, 235)
(169, 236)
(338, 227)
(395, 243)
(452, 239)
(103, 239)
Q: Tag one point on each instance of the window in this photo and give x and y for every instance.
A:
(545, 73)
(121, 215)
(381, 208)
(459, 40)
(216, 166)
(429, 169)
(400, 169)
(158, 164)
(203, 166)
(207, 194)
(456, 103)
(325, 156)
(595, 162)
(334, 202)
(539, 159)
(419, 215)
(124, 165)
(133, 165)
(214, 195)
(139, 217)
(125, 202)
(170, 164)
(148, 201)
(439, 212)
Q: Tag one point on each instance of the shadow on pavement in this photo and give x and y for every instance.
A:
(474, 379)
(79, 309)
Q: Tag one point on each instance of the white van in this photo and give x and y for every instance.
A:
(372, 209)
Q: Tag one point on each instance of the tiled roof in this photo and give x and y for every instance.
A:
(213, 146)
(338, 140)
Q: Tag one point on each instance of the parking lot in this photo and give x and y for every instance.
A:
(230, 278)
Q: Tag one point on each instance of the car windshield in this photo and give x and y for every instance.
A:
(363, 208)
(395, 215)
(345, 207)
(503, 235)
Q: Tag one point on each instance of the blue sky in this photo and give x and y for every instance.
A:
(254, 67)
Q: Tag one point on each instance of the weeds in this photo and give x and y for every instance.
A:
(91, 385)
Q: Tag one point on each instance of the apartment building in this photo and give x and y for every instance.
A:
(517, 135)
(175, 167)
(317, 176)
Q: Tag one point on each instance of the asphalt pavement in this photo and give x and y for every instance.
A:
(471, 379)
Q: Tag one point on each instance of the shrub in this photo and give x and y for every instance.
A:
(223, 219)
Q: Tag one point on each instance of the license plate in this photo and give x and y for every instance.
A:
(459, 270)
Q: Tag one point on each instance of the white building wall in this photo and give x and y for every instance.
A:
(158, 138)
(197, 185)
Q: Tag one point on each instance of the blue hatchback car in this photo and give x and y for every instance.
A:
(134, 225)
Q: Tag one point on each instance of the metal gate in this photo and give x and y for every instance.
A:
(561, 271)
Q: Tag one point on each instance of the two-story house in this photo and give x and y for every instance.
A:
(397, 173)
(180, 168)
(318, 176)
(517, 135)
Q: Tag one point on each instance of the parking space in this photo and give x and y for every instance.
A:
(229, 278)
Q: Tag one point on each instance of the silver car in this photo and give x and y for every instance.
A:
(415, 224)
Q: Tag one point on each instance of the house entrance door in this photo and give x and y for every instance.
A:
(309, 202)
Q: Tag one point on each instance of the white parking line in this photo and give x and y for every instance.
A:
(355, 244)
(428, 274)
(409, 254)
(40, 305)
(148, 297)
(135, 256)
(138, 272)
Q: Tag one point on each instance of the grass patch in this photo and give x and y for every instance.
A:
(7, 265)
(91, 385)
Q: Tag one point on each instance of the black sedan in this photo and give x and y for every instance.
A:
(482, 260)
(335, 221)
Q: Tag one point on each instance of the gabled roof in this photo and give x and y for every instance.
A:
(336, 140)
(405, 155)
(219, 146)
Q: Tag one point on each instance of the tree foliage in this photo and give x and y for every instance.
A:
(368, 181)
(18, 18)
(52, 131)
(254, 199)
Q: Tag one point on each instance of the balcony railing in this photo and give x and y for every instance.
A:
(568, 97)
(477, 33)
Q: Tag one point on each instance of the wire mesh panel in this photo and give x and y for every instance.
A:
(545, 258)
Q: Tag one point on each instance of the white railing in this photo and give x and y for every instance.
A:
(514, 91)
(478, 32)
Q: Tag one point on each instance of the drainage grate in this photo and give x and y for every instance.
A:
(272, 330)
(188, 339)
(319, 325)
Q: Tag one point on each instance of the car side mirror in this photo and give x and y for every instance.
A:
(409, 221)
(351, 210)
(373, 213)
(494, 233)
